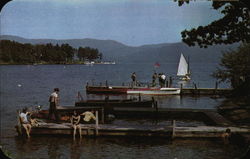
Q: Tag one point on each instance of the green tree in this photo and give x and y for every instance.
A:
(233, 27)
(235, 68)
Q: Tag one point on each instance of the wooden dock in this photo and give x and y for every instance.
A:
(159, 130)
(136, 130)
(208, 116)
(205, 91)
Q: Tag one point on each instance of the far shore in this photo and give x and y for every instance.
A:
(50, 63)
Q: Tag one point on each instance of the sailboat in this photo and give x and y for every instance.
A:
(183, 69)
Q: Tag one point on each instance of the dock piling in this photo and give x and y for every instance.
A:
(181, 89)
(96, 123)
(173, 131)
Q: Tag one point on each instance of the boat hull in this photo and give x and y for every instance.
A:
(155, 91)
(106, 90)
(115, 103)
(109, 89)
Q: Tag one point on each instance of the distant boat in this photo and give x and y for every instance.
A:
(183, 69)
(89, 63)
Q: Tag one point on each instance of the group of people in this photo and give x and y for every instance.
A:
(161, 77)
(28, 121)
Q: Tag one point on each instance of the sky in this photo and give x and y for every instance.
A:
(131, 22)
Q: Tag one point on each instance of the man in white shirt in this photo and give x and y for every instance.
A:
(54, 102)
(24, 121)
(163, 77)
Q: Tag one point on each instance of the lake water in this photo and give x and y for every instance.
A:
(31, 85)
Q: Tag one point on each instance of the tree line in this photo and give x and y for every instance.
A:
(17, 53)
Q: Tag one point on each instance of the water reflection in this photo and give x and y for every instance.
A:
(61, 147)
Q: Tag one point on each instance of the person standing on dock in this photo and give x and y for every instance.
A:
(75, 121)
(133, 77)
(54, 102)
(25, 122)
(154, 77)
(163, 78)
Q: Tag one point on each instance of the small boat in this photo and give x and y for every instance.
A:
(115, 103)
(155, 91)
(183, 69)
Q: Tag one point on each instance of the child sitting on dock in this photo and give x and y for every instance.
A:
(24, 121)
(75, 120)
(88, 116)
(226, 135)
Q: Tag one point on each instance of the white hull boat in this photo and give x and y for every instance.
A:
(155, 91)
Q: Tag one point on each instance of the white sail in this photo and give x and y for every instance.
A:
(183, 67)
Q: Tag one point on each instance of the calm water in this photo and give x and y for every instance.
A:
(28, 85)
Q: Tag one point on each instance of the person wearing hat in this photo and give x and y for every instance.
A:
(54, 102)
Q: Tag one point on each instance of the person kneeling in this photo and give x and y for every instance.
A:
(24, 121)
(89, 116)
(75, 119)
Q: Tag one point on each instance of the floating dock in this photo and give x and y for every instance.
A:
(136, 130)
(217, 127)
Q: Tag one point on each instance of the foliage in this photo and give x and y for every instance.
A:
(235, 67)
(233, 27)
(16, 53)
(88, 53)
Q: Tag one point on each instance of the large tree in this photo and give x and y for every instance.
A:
(235, 67)
(233, 27)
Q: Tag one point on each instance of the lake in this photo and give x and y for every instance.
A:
(30, 85)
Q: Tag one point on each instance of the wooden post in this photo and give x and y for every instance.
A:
(102, 115)
(153, 100)
(96, 123)
(195, 87)
(173, 131)
(139, 97)
(156, 106)
(181, 88)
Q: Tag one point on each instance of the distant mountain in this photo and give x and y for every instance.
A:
(113, 50)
